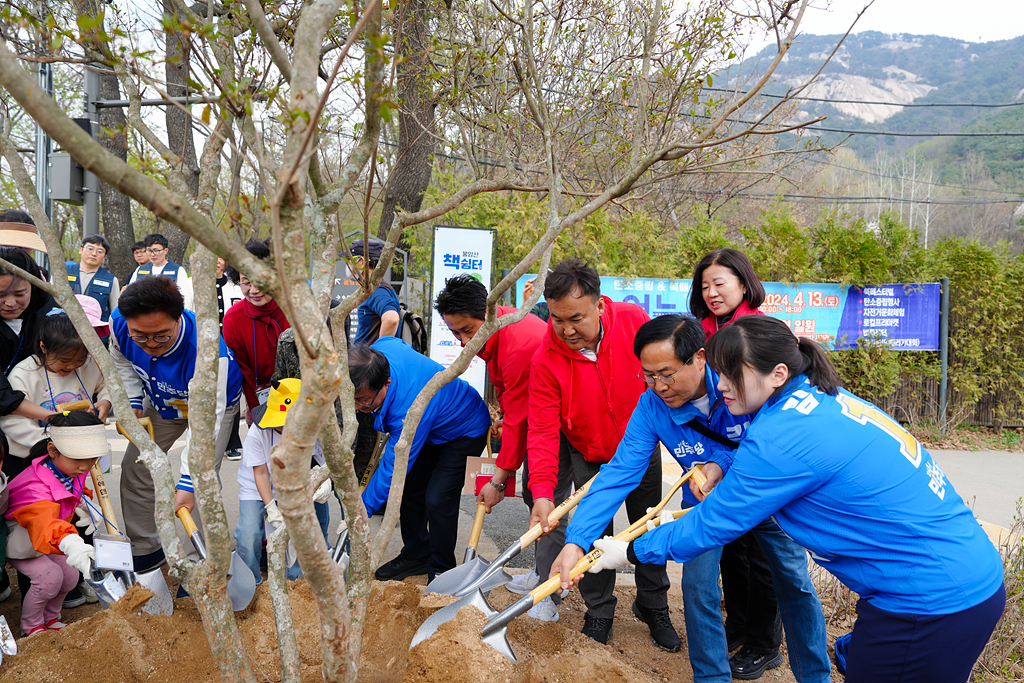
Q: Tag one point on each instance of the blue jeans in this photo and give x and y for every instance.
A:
(799, 606)
(705, 630)
(249, 535)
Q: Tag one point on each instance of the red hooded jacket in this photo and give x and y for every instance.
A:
(711, 324)
(509, 355)
(251, 333)
(590, 402)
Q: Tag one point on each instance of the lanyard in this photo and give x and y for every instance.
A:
(21, 340)
(81, 385)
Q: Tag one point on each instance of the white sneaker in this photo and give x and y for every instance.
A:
(523, 583)
(545, 610)
(87, 592)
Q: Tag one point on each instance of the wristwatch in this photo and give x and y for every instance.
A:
(498, 487)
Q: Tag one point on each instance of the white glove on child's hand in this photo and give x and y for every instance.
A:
(84, 519)
(664, 518)
(614, 554)
(80, 556)
(274, 515)
(323, 492)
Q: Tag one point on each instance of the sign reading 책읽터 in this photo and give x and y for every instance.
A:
(905, 316)
(458, 251)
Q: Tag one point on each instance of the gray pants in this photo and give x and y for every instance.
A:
(652, 582)
(548, 547)
(137, 491)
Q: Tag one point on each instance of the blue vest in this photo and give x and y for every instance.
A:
(99, 287)
(168, 271)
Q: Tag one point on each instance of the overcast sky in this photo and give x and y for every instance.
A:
(970, 20)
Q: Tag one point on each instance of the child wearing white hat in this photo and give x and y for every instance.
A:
(42, 542)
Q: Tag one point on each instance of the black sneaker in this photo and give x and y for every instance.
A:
(73, 599)
(233, 455)
(597, 628)
(749, 665)
(399, 568)
(660, 624)
(144, 563)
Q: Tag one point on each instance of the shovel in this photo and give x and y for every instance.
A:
(468, 577)
(241, 582)
(477, 599)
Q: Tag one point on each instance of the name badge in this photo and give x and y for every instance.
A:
(102, 282)
(263, 395)
(72, 278)
(113, 552)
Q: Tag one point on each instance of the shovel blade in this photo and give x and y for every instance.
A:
(453, 581)
(8, 645)
(485, 583)
(499, 641)
(448, 612)
(108, 589)
(241, 583)
(161, 603)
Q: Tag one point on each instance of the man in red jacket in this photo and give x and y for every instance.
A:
(509, 355)
(586, 382)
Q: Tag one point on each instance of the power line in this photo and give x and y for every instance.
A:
(889, 104)
(894, 134)
(857, 199)
(918, 182)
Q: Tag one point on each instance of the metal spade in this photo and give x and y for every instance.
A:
(241, 582)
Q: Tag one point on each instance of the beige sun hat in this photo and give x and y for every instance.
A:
(23, 235)
(80, 443)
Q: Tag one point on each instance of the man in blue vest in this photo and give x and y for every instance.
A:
(154, 348)
(157, 247)
(93, 280)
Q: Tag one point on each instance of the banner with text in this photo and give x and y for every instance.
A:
(458, 251)
(903, 316)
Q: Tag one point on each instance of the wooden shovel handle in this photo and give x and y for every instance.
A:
(693, 473)
(590, 559)
(536, 531)
(104, 498)
(186, 520)
(478, 524)
(145, 422)
(82, 404)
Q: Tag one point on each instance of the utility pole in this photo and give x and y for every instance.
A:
(44, 145)
(91, 186)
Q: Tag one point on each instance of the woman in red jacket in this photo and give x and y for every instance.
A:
(725, 288)
(251, 329)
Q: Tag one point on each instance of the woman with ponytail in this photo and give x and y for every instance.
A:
(848, 483)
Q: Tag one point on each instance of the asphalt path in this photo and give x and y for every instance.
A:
(989, 482)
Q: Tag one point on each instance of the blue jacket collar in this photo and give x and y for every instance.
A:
(687, 411)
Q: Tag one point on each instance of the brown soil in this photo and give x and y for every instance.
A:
(117, 646)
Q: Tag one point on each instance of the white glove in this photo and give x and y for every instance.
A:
(323, 492)
(274, 515)
(79, 554)
(343, 526)
(84, 519)
(665, 517)
(614, 554)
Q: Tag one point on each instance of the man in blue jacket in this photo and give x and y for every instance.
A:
(153, 343)
(387, 377)
(684, 411)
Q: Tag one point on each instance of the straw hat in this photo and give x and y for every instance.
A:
(80, 443)
(283, 396)
(23, 235)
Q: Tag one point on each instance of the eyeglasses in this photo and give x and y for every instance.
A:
(667, 380)
(157, 250)
(94, 250)
(370, 404)
(141, 339)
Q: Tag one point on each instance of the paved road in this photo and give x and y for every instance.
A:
(990, 482)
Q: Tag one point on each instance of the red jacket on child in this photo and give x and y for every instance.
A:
(251, 333)
(590, 402)
(509, 356)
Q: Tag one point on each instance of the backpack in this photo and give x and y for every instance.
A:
(412, 330)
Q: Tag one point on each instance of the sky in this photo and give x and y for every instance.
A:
(975, 21)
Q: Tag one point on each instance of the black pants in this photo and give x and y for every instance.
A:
(430, 503)
(548, 547)
(652, 582)
(366, 439)
(752, 611)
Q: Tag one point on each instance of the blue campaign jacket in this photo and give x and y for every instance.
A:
(848, 483)
(99, 287)
(454, 412)
(653, 421)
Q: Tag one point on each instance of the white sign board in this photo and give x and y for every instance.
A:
(458, 251)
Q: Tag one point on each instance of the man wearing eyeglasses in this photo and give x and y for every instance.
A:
(683, 410)
(154, 347)
(157, 248)
(93, 280)
(585, 384)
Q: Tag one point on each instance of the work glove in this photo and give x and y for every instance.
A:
(84, 522)
(80, 555)
(274, 515)
(665, 517)
(323, 492)
(343, 527)
(613, 557)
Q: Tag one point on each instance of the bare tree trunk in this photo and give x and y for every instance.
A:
(179, 131)
(414, 162)
(116, 207)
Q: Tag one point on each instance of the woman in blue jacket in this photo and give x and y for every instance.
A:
(848, 483)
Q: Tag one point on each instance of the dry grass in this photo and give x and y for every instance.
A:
(1003, 657)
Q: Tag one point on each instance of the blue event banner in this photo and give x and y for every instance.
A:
(900, 316)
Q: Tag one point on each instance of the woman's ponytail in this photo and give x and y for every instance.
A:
(818, 367)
